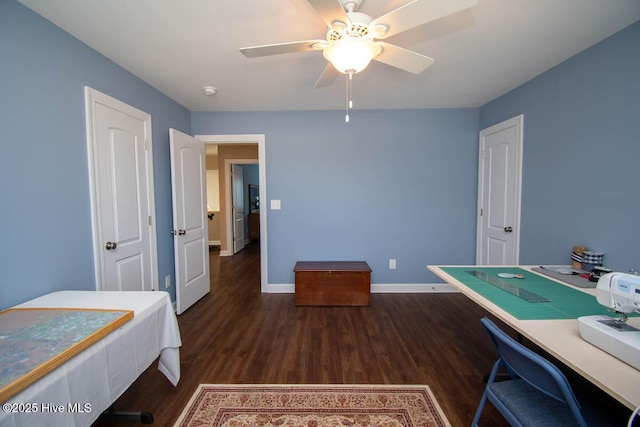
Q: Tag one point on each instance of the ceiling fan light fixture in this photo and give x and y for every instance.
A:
(351, 53)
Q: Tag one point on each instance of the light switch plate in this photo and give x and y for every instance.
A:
(275, 204)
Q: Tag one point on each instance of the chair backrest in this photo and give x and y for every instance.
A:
(530, 366)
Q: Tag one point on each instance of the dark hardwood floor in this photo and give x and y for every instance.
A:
(237, 335)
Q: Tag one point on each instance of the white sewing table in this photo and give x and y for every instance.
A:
(101, 373)
(562, 340)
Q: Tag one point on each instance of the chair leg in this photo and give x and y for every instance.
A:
(476, 418)
(483, 399)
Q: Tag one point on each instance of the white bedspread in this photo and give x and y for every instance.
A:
(95, 378)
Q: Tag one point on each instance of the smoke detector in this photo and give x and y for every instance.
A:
(210, 90)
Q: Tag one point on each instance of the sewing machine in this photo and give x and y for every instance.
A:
(620, 292)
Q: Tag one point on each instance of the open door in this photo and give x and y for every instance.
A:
(190, 235)
(237, 187)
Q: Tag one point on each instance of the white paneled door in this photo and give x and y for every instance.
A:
(190, 235)
(121, 180)
(499, 180)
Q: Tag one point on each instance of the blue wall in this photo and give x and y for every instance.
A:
(250, 175)
(581, 165)
(391, 184)
(44, 191)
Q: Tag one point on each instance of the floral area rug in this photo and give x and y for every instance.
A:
(312, 406)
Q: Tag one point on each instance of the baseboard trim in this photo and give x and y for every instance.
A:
(281, 288)
(215, 242)
(378, 288)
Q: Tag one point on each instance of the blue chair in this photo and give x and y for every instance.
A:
(537, 393)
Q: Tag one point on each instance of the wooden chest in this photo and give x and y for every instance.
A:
(332, 283)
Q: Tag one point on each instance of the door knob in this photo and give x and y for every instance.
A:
(110, 245)
(182, 232)
(508, 229)
(173, 232)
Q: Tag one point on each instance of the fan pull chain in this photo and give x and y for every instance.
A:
(350, 83)
(349, 106)
(346, 114)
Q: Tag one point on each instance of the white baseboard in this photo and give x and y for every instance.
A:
(226, 253)
(215, 242)
(378, 288)
(286, 288)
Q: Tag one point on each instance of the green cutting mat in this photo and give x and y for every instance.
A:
(566, 303)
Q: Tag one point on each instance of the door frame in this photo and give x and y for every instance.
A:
(518, 122)
(262, 178)
(93, 97)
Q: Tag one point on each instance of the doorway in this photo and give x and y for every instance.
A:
(251, 139)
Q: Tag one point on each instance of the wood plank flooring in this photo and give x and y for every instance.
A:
(238, 335)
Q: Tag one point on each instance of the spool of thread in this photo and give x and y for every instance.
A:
(591, 259)
(577, 256)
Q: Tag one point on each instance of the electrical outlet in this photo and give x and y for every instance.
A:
(167, 281)
(392, 264)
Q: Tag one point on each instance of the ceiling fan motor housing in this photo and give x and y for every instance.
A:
(358, 26)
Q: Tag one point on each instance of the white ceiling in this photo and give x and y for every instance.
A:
(179, 46)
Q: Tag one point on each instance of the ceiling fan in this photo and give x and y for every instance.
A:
(353, 38)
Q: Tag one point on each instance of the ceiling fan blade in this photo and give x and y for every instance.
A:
(279, 48)
(403, 59)
(330, 11)
(419, 12)
(328, 76)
